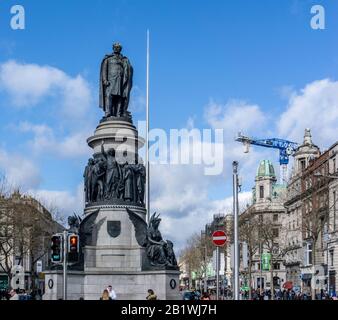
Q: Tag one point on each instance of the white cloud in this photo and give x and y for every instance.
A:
(30, 84)
(137, 100)
(234, 116)
(19, 171)
(238, 116)
(64, 201)
(44, 140)
(314, 107)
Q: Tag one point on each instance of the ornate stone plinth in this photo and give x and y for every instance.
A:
(122, 136)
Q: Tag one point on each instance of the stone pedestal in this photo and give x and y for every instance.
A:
(119, 253)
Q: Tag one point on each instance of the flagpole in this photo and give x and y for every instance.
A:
(147, 136)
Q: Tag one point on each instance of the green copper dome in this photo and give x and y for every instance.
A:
(266, 169)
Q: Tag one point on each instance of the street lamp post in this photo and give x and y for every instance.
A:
(236, 247)
(65, 251)
(205, 274)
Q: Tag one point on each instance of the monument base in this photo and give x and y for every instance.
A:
(127, 285)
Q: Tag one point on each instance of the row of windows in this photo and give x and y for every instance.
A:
(276, 266)
(295, 223)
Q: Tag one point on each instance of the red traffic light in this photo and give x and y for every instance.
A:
(73, 248)
(73, 243)
(73, 240)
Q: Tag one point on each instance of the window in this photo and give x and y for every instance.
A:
(275, 217)
(276, 266)
(331, 258)
(276, 281)
(275, 232)
(261, 192)
(302, 164)
(334, 165)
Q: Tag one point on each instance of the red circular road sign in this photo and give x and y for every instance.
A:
(219, 238)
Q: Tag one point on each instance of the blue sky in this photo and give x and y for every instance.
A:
(204, 54)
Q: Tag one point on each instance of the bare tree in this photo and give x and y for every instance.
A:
(197, 254)
(269, 232)
(248, 231)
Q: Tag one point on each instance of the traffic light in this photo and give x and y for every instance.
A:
(73, 248)
(56, 248)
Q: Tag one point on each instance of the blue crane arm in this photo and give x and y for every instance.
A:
(275, 143)
(285, 147)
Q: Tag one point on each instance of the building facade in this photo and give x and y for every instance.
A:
(299, 258)
(26, 227)
(266, 209)
(332, 236)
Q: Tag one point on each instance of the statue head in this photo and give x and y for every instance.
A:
(91, 161)
(117, 48)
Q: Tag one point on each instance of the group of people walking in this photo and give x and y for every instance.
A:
(285, 294)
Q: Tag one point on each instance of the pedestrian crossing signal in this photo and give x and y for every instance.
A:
(73, 248)
(56, 249)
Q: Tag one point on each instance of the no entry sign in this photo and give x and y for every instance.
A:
(219, 238)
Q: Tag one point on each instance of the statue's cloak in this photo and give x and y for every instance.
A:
(127, 81)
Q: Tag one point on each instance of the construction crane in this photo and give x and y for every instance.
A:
(286, 149)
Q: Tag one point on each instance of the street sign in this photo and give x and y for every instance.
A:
(266, 259)
(245, 255)
(221, 262)
(219, 238)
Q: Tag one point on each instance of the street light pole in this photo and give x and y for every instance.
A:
(65, 242)
(217, 273)
(206, 267)
(236, 247)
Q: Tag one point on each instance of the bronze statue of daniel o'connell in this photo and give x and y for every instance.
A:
(116, 77)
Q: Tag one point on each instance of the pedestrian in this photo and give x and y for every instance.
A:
(111, 292)
(14, 295)
(105, 295)
(151, 295)
(205, 296)
(38, 295)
